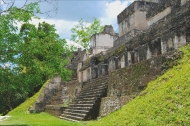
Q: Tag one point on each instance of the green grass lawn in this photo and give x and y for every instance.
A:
(42, 119)
(165, 102)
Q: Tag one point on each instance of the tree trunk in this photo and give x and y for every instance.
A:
(8, 98)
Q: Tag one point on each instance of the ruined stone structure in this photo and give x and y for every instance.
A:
(102, 41)
(146, 29)
(47, 92)
(119, 66)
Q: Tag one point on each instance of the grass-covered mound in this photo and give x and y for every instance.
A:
(20, 116)
(166, 101)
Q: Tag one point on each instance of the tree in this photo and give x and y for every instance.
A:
(7, 5)
(82, 32)
(10, 87)
(42, 51)
(29, 57)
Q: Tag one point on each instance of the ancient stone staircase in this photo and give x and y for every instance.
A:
(47, 92)
(43, 100)
(87, 102)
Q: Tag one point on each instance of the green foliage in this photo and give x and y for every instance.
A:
(11, 90)
(163, 102)
(83, 31)
(43, 52)
(30, 57)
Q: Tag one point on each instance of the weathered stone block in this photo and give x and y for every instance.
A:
(55, 110)
(110, 104)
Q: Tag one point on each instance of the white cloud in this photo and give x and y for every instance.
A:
(112, 10)
(63, 27)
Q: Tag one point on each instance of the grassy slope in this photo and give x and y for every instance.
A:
(166, 101)
(19, 116)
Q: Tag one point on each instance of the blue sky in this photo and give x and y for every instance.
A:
(70, 11)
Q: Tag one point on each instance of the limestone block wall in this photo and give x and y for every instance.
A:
(126, 37)
(130, 80)
(86, 74)
(159, 16)
(69, 91)
(137, 20)
(79, 73)
(49, 89)
(127, 55)
(112, 64)
(163, 4)
(76, 58)
(126, 83)
(134, 17)
(101, 42)
(173, 42)
(110, 104)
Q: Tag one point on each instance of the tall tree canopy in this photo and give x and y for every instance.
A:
(29, 57)
(82, 32)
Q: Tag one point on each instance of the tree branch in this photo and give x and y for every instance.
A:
(9, 5)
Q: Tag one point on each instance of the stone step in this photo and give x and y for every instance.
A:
(68, 119)
(76, 111)
(74, 114)
(79, 118)
(89, 96)
(84, 99)
(81, 105)
(36, 110)
(93, 92)
(94, 85)
(93, 88)
(79, 108)
(95, 82)
(85, 102)
(39, 105)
